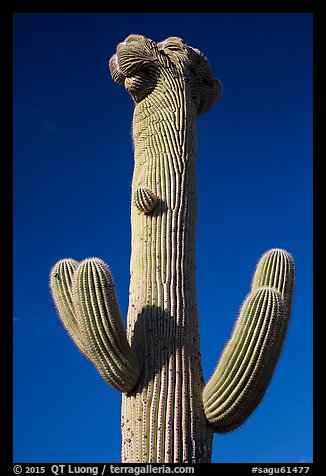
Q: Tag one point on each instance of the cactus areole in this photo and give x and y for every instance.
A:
(168, 413)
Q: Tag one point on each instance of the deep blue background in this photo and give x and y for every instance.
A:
(73, 163)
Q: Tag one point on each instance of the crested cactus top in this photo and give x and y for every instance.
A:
(139, 63)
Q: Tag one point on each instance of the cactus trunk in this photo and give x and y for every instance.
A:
(163, 419)
(168, 414)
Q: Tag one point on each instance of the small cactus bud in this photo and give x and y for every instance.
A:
(145, 200)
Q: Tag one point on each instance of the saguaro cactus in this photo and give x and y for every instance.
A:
(168, 413)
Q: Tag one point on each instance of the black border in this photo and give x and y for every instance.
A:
(7, 11)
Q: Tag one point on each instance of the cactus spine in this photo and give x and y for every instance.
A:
(168, 414)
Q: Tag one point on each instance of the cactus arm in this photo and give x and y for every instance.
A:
(86, 301)
(98, 312)
(249, 359)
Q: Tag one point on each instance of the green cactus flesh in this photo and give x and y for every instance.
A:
(91, 315)
(168, 414)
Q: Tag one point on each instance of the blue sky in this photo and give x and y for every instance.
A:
(73, 163)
